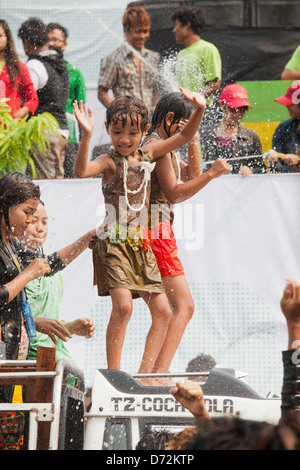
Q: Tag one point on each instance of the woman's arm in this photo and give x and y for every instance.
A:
(29, 96)
(72, 251)
(59, 259)
(53, 328)
(36, 268)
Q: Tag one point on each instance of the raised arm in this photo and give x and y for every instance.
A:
(290, 306)
(162, 147)
(72, 251)
(192, 168)
(84, 168)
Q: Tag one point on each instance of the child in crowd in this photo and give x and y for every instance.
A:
(169, 117)
(44, 295)
(125, 266)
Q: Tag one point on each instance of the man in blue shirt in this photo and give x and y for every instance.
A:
(286, 139)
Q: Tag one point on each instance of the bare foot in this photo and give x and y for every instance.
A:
(156, 381)
(165, 382)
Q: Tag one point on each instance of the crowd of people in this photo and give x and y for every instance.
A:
(134, 249)
(49, 83)
(234, 433)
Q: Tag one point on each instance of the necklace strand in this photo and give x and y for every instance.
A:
(127, 190)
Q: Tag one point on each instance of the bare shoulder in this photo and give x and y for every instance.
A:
(108, 167)
(106, 163)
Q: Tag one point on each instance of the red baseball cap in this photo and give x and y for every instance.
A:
(292, 95)
(235, 96)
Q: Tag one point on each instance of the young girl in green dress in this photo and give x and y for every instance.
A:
(124, 264)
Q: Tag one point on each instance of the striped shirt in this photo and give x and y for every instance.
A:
(119, 73)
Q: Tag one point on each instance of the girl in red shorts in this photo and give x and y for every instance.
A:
(169, 117)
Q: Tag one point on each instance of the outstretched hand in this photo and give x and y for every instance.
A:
(85, 121)
(53, 328)
(82, 327)
(196, 98)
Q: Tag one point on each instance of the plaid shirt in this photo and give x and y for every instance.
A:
(119, 73)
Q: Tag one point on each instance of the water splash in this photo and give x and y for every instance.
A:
(168, 84)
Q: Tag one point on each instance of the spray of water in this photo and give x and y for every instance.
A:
(168, 81)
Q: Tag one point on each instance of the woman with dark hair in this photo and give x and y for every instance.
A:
(15, 81)
(19, 198)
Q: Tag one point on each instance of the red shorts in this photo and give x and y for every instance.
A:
(165, 250)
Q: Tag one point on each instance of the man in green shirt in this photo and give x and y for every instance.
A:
(58, 35)
(292, 69)
(199, 64)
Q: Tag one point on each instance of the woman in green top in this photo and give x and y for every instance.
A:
(44, 296)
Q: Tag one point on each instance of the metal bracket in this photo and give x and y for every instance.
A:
(45, 414)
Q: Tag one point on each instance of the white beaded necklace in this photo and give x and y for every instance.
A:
(148, 168)
(178, 165)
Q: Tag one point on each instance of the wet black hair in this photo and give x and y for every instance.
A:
(10, 54)
(16, 188)
(124, 107)
(174, 103)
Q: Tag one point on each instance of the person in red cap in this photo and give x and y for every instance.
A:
(230, 139)
(285, 152)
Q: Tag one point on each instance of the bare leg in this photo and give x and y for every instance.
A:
(116, 329)
(161, 315)
(182, 304)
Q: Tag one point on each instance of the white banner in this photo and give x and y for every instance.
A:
(238, 241)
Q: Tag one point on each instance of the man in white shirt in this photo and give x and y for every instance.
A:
(50, 78)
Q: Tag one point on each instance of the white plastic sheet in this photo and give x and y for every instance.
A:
(238, 241)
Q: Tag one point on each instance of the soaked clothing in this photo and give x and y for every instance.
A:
(164, 247)
(198, 64)
(161, 217)
(122, 256)
(44, 295)
(11, 312)
(161, 210)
